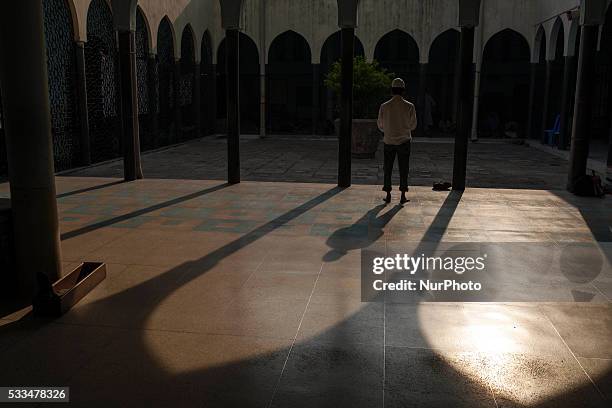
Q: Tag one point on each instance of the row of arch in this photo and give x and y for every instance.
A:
(167, 89)
(555, 56)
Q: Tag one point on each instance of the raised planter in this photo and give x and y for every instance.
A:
(67, 291)
(366, 137)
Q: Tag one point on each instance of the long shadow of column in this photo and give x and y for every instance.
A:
(238, 383)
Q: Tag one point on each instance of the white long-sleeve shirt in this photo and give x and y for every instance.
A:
(397, 119)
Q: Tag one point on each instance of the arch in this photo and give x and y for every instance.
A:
(102, 84)
(142, 22)
(574, 34)
(331, 49)
(506, 45)
(331, 52)
(166, 56)
(539, 45)
(61, 70)
(188, 42)
(166, 37)
(504, 94)
(186, 80)
(397, 45)
(143, 50)
(398, 52)
(296, 48)
(445, 45)
(75, 26)
(441, 84)
(556, 43)
(206, 48)
(556, 64)
(249, 83)
(450, 35)
(290, 84)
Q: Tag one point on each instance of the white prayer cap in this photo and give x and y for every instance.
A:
(398, 83)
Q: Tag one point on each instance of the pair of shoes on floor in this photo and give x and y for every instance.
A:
(442, 186)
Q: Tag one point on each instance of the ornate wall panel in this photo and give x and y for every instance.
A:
(102, 83)
(62, 75)
(166, 70)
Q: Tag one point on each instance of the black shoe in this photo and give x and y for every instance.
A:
(404, 200)
(387, 199)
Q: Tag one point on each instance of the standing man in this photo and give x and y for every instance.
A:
(397, 119)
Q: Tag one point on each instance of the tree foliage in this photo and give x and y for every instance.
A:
(371, 83)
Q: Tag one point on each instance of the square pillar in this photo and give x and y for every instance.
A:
(232, 38)
(132, 168)
(464, 108)
(346, 110)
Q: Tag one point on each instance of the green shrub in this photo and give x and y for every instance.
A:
(371, 84)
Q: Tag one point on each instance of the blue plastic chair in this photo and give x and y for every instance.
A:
(552, 135)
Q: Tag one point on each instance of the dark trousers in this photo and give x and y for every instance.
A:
(403, 157)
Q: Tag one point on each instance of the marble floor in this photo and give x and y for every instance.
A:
(491, 164)
(250, 296)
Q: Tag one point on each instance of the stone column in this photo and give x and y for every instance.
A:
(153, 84)
(212, 99)
(178, 123)
(27, 120)
(262, 100)
(132, 168)
(232, 65)
(81, 84)
(533, 80)
(569, 84)
(316, 81)
(464, 109)
(583, 105)
(262, 68)
(546, 102)
(421, 97)
(346, 110)
(197, 100)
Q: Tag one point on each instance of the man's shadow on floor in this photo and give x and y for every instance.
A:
(361, 234)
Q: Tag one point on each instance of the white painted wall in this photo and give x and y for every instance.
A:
(316, 20)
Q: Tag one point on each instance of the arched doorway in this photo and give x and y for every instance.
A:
(538, 77)
(504, 93)
(249, 85)
(142, 73)
(441, 77)
(331, 53)
(557, 63)
(398, 52)
(102, 85)
(289, 85)
(573, 52)
(187, 83)
(59, 38)
(166, 73)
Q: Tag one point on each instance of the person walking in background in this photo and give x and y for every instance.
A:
(397, 119)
